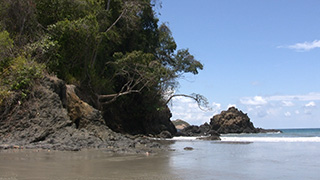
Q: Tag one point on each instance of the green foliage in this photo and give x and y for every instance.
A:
(75, 42)
(113, 49)
(52, 11)
(186, 63)
(167, 46)
(6, 44)
(19, 19)
(19, 77)
(45, 51)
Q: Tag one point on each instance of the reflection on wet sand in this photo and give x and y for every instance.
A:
(90, 164)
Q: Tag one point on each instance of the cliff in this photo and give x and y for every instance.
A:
(54, 117)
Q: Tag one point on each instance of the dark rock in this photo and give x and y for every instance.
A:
(54, 117)
(191, 131)
(210, 138)
(165, 134)
(132, 118)
(188, 148)
(232, 121)
(205, 129)
(202, 130)
(213, 133)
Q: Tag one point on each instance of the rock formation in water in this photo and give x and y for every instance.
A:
(202, 130)
(232, 121)
(235, 121)
(180, 124)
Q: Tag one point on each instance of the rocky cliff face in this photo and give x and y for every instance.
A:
(232, 121)
(54, 117)
(123, 118)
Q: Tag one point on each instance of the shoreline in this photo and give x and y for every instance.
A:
(126, 146)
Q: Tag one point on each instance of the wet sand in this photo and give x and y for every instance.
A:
(83, 165)
(206, 160)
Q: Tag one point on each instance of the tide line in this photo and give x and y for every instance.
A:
(271, 139)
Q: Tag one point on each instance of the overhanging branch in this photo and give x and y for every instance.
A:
(201, 100)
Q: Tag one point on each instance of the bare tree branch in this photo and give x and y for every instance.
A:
(202, 102)
(137, 77)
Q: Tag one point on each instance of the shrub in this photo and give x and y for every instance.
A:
(19, 77)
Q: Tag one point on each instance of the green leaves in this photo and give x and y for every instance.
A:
(52, 11)
(110, 47)
(5, 41)
(186, 63)
(19, 76)
(76, 42)
(6, 44)
(180, 62)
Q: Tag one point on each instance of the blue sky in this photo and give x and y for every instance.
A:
(261, 56)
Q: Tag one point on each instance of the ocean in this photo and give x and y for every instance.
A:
(293, 154)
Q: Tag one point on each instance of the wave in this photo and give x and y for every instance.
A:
(270, 139)
(185, 138)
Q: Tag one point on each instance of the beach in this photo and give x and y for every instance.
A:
(226, 159)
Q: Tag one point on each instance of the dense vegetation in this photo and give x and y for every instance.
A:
(113, 50)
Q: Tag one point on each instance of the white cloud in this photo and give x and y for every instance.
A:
(216, 106)
(305, 46)
(287, 114)
(286, 100)
(256, 100)
(304, 97)
(279, 105)
(310, 104)
(188, 110)
(308, 108)
(287, 103)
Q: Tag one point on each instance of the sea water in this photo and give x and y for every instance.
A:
(293, 154)
(287, 135)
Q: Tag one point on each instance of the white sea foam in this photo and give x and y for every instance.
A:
(270, 139)
(180, 138)
(184, 138)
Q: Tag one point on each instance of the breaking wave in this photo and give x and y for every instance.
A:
(270, 139)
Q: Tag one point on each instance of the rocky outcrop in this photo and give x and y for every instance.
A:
(232, 121)
(180, 124)
(54, 117)
(128, 118)
(165, 134)
(202, 130)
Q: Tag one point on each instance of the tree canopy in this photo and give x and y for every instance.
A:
(115, 49)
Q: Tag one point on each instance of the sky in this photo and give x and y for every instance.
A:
(263, 57)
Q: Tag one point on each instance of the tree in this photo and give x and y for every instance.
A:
(137, 70)
(6, 45)
(114, 50)
(19, 19)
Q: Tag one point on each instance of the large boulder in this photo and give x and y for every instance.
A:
(232, 121)
(180, 124)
